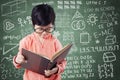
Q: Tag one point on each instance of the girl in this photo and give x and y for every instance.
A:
(41, 41)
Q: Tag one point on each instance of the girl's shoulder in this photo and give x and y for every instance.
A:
(28, 37)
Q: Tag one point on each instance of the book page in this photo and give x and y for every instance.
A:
(63, 52)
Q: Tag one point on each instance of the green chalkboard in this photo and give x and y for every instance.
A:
(92, 25)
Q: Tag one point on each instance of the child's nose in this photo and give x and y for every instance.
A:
(44, 32)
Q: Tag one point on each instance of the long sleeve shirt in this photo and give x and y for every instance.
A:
(48, 48)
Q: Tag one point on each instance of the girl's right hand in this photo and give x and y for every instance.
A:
(20, 59)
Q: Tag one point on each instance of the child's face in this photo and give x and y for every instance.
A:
(43, 31)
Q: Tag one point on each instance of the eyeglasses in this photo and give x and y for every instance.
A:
(48, 30)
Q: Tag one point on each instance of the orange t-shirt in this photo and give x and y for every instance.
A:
(50, 45)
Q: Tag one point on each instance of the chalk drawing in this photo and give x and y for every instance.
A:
(4, 74)
(15, 7)
(56, 33)
(43, 2)
(109, 57)
(104, 18)
(113, 17)
(97, 41)
(92, 19)
(10, 72)
(78, 22)
(85, 38)
(8, 25)
(77, 15)
(12, 37)
(78, 25)
(25, 21)
(111, 39)
(68, 36)
(10, 58)
(12, 46)
(68, 4)
(2, 66)
(105, 70)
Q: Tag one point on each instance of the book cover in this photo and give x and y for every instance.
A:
(38, 63)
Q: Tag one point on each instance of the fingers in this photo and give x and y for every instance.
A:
(20, 59)
(50, 72)
(47, 73)
(55, 69)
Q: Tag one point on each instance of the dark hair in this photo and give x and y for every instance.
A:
(43, 15)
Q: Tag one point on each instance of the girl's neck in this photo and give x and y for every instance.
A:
(41, 39)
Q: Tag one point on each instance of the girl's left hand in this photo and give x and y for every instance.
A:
(50, 72)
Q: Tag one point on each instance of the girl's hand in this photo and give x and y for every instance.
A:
(20, 59)
(50, 72)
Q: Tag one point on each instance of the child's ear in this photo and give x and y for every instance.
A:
(35, 26)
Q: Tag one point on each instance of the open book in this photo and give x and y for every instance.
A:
(38, 63)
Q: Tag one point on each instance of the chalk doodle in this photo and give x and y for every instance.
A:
(105, 70)
(109, 57)
(66, 4)
(110, 19)
(8, 25)
(85, 38)
(111, 39)
(68, 36)
(56, 33)
(15, 7)
(113, 16)
(25, 21)
(8, 72)
(92, 19)
(96, 2)
(104, 18)
(78, 22)
(78, 25)
(105, 32)
(10, 58)
(77, 15)
(43, 2)
(97, 41)
(12, 37)
(11, 47)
